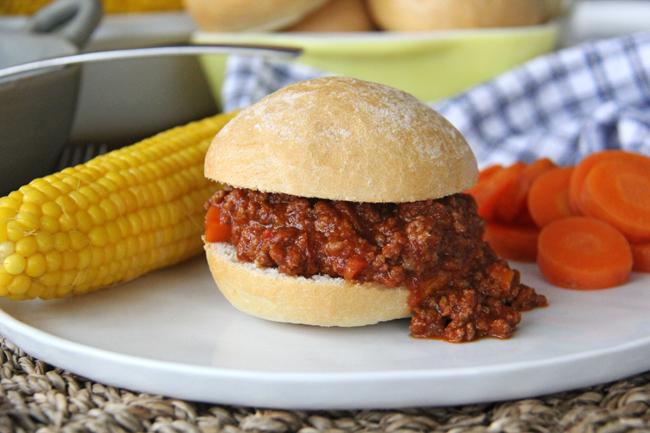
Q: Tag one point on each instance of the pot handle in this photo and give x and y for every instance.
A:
(73, 20)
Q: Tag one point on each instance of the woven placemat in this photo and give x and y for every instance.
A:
(36, 397)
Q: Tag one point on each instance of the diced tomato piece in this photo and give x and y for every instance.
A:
(215, 230)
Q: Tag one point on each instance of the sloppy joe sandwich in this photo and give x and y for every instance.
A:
(342, 206)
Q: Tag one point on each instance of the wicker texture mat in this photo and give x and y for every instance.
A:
(35, 397)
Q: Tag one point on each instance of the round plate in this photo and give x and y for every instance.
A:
(172, 333)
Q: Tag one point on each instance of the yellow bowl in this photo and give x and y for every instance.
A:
(429, 65)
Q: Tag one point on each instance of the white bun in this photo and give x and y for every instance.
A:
(248, 15)
(343, 139)
(417, 15)
(320, 300)
(337, 16)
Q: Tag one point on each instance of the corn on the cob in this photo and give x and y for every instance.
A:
(111, 219)
(28, 7)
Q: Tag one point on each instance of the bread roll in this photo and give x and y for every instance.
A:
(320, 300)
(343, 139)
(337, 16)
(248, 15)
(418, 15)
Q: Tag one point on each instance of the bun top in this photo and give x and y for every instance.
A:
(343, 139)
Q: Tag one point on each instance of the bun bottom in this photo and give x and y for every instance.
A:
(320, 300)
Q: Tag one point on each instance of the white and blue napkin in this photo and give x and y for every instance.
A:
(562, 105)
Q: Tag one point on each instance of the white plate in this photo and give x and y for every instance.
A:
(172, 333)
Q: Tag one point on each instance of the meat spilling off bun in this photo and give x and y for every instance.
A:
(343, 206)
(418, 15)
(248, 15)
(337, 16)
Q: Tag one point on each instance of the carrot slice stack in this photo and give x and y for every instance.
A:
(548, 198)
(489, 190)
(583, 253)
(618, 191)
(584, 167)
(511, 206)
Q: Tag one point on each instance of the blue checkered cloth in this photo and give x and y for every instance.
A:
(564, 105)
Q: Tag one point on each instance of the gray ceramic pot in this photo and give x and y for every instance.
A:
(37, 108)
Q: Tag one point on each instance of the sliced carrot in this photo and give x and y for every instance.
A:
(548, 198)
(583, 168)
(618, 192)
(489, 171)
(487, 192)
(512, 242)
(641, 256)
(583, 253)
(512, 203)
(484, 175)
(215, 230)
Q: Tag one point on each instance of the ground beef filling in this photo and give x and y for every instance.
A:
(460, 290)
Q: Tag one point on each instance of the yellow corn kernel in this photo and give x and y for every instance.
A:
(33, 195)
(121, 249)
(19, 285)
(5, 277)
(85, 258)
(67, 204)
(83, 221)
(50, 225)
(36, 265)
(78, 241)
(53, 261)
(34, 209)
(52, 209)
(50, 279)
(46, 187)
(113, 233)
(36, 288)
(98, 236)
(10, 203)
(109, 253)
(7, 214)
(67, 223)
(15, 231)
(26, 246)
(80, 199)
(62, 186)
(7, 248)
(27, 222)
(45, 242)
(69, 260)
(109, 209)
(114, 218)
(4, 287)
(14, 264)
(91, 194)
(109, 186)
(61, 241)
(97, 214)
